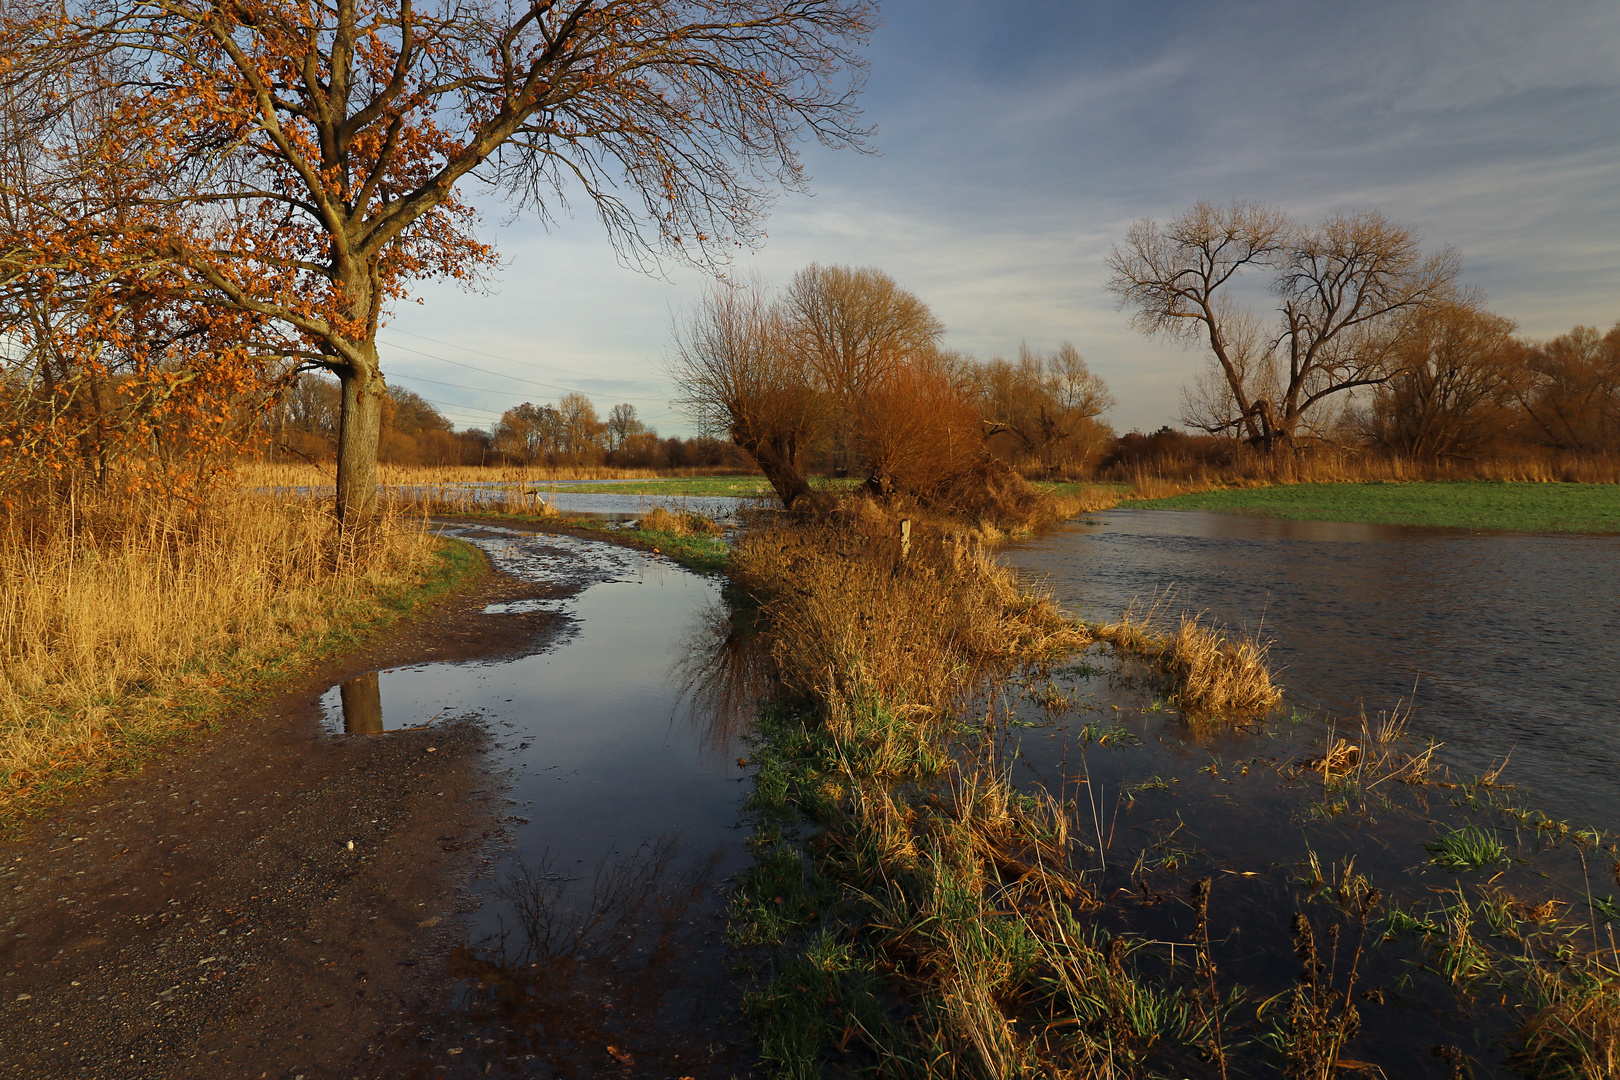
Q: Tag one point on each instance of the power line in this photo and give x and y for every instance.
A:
(508, 359)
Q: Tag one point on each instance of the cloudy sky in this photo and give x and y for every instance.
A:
(1017, 141)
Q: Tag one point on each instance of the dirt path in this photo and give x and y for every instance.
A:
(266, 902)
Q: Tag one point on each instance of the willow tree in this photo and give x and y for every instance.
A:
(1349, 291)
(299, 165)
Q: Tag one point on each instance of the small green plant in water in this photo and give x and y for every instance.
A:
(1470, 848)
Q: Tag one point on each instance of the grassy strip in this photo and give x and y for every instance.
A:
(1526, 507)
(935, 913)
(196, 698)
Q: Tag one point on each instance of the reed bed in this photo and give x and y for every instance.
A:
(120, 623)
(263, 474)
(1180, 474)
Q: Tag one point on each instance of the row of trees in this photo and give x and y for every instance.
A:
(845, 363)
(304, 423)
(1371, 338)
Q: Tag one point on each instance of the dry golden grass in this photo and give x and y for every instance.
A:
(1573, 1039)
(118, 623)
(1181, 475)
(852, 621)
(258, 474)
(1214, 674)
(679, 522)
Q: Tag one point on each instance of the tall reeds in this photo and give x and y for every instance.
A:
(1163, 475)
(306, 474)
(119, 619)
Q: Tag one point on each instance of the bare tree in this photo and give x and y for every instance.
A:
(738, 376)
(622, 426)
(1456, 376)
(1349, 290)
(854, 328)
(1045, 405)
(1569, 389)
(297, 167)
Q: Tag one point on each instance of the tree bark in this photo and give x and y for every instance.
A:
(359, 430)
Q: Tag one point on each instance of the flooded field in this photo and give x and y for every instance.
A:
(1503, 643)
(597, 941)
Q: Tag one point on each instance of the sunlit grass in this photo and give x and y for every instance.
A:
(1527, 507)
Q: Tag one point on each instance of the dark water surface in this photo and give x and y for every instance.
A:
(597, 945)
(1512, 641)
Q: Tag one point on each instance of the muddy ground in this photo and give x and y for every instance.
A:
(268, 901)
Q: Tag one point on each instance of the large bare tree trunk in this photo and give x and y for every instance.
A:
(359, 429)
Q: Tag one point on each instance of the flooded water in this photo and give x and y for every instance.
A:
(1511, 641)
(598, 943)
(1158, 804)
(607, 505)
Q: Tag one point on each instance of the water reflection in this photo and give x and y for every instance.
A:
(362, 705)
(591, 973)
(724, 673)
(600, 947)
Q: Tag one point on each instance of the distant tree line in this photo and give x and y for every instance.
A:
(303, 424)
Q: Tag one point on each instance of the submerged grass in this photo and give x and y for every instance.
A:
(915, 913)
(1214, 673)
(1529, 507)
(1470, 848)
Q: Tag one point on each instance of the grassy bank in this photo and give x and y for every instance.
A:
(122, 627)
(1528, 507)
(942, 888)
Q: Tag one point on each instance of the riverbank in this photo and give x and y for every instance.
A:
(986, 846)
(1521, 507)
(136, 626)
(270, 899)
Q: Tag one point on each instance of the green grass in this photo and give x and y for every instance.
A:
(1463, 505)
(1471, 848)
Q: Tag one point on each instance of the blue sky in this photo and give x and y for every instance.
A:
(1017, 140)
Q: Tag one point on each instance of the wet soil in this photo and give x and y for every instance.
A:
(267, 901)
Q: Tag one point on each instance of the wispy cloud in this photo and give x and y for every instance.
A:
(1018, 142)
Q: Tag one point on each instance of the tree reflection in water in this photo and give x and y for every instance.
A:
(611, 977)
(723, 674)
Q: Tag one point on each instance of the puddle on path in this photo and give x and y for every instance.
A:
(598, 941)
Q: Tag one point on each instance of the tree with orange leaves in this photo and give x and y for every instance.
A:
(273, 173)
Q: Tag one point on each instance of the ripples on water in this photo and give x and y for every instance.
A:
(1512, 641)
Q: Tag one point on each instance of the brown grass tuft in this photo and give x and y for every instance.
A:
(679, 522)
(1574, 1039)
(1214, 674)
(852, 621)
